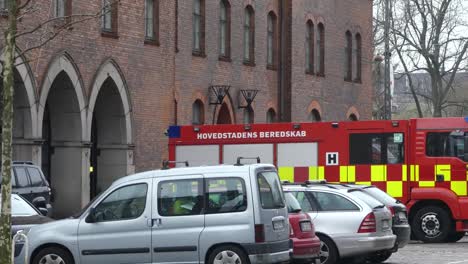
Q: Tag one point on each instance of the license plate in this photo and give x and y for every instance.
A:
(385, 225)
(278, 225)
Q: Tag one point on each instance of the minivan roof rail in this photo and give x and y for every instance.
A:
(23, 162)
(165, 164)
(246, 158)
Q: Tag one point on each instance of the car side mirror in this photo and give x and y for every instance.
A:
(91, 218)
(43, 211)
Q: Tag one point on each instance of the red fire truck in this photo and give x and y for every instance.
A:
(421, 162)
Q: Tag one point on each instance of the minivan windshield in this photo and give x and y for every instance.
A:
(292, 203)
(269, 188)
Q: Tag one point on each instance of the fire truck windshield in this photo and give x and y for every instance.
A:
(446, 144)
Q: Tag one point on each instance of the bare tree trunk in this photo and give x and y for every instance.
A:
(7, 129)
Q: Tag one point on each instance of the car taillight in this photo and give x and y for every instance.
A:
(259, 234)
(368, 225)
(306, 226)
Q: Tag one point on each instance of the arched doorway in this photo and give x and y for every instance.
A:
(61, 123)
(352, 117)
(271, 116)
(62, 148)
(224, 116)
(110, 129)
(198, 113)
(25, 145)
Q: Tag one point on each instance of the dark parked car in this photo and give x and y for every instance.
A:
(23, 216)
(29, 182)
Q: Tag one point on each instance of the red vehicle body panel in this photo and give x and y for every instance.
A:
(417, 177)
(306, 245)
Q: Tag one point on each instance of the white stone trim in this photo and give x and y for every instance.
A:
(110, 69)
(59, 64)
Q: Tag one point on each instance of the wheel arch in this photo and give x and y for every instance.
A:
(319, 234)
(49, 245)
(213, 247)
(442, 197)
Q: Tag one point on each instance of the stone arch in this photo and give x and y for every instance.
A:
(63, 62)
(352, 114)
(62, 126)
(25, 147)
(110, 69)
(109, 128)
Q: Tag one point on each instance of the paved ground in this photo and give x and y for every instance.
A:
(418, 253)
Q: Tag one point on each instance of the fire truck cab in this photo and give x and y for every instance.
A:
(421, 162)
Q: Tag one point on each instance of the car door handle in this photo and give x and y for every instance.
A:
(155, 222)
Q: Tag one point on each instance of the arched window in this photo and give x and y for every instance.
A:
(249, 35)
(314, 116)
(198, 27)
(271, 39)
(353, 117)
(348, 57)
(225, 29)
(271, 116)
(321, 50)
(358, 57)
(198, 113)
(248, 115)
(309, 47)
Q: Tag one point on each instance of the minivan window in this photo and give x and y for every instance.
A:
(22, 177)
(333, 202)
(180, 197)
(271, 196)
(35, 176)
(225, 195)
(125, 203)
(292, 203)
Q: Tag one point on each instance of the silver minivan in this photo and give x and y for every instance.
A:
(213, 214)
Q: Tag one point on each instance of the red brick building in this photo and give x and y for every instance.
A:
(102, 94)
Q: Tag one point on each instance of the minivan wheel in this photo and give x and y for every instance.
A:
(328, 251)
(53, 255)
(431, 224)
(228, 255)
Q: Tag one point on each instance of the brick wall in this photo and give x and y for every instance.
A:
(157, 75)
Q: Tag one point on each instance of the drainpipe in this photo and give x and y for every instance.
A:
(280, 62)
(284, 62)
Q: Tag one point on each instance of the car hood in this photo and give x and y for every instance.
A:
(26, 222)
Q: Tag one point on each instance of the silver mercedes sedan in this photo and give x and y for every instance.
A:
(350, 223)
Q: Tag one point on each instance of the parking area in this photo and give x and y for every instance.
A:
(417, 253)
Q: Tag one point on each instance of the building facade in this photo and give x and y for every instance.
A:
(93, 104)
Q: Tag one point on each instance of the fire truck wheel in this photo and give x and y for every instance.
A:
(454, 237)
(431, 224)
